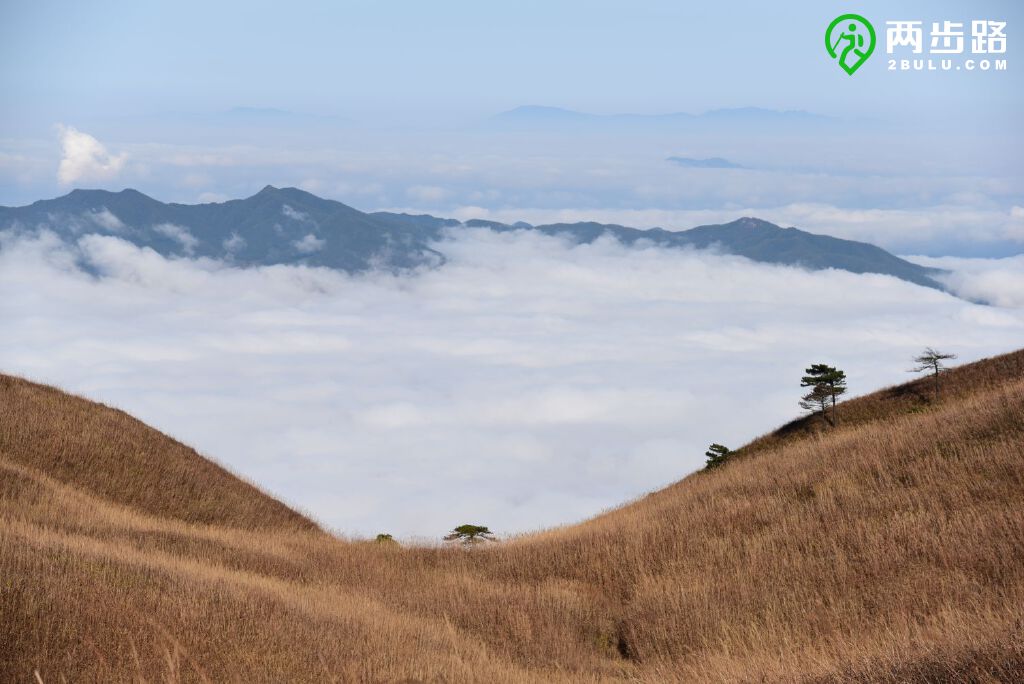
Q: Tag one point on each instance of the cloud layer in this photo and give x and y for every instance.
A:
(525, 384)
(996, 281)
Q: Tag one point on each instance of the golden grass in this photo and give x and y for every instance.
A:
(888, 549)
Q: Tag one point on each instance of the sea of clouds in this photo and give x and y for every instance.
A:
(525, 384)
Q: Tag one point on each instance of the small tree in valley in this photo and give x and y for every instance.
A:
(470, 534)
(931, 361)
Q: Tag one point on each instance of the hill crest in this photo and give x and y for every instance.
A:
(292, 226)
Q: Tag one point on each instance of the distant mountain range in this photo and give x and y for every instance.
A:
(291, 226)
(534, 116)
(704, 163)
(274, 226)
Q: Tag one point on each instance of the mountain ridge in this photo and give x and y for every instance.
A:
(292, 226)
(541, 115)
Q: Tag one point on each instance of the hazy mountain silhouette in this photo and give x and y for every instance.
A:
(291, 226)
(274, 226)
(539, 117)
(757, 240)
(704, 163)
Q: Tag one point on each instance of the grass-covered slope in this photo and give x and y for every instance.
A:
(105, 453)
(887, 549)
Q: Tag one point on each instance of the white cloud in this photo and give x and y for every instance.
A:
(106, 219)
(1016, 227)
(84, 158)
(293, 214)
(996, 281)
(235, 243)
(309, 244)
(145, 267)
(179, 234)
(524, 384)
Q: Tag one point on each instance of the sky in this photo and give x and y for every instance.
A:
(526, 383)
(393, 106)
(407, 59)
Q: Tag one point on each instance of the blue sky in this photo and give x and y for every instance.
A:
(63, 59)
(388, 106)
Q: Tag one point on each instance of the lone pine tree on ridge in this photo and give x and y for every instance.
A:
(827, 383)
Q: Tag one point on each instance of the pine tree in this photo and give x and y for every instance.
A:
(827, 384)
(716, 455)
(470, 534)
(816, 401)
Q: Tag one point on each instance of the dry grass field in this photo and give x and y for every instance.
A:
(890, 548)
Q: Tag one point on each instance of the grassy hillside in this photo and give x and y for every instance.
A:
(110, 455)
(888, 549)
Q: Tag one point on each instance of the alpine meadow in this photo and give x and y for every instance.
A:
(886, 548)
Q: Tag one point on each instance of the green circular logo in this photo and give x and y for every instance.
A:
(850, 39)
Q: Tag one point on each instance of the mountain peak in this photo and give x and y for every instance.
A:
(291, 193)
(90, 192)
(87, 197)
(754, 222)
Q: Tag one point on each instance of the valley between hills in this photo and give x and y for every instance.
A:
(885, 549)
